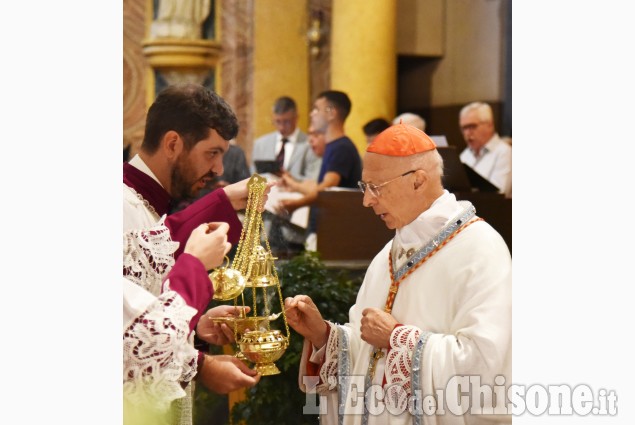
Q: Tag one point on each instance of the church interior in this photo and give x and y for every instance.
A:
(428, 57)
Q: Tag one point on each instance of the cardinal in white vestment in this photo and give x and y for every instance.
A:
(429, 336)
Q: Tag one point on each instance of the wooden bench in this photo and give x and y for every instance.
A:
(350, 235)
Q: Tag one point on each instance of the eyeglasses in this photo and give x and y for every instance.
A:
(374, 188)
(470, 127)
(326, 108)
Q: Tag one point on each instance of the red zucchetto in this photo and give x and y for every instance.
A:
(401, 140)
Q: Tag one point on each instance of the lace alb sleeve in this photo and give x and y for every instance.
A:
(158, 352)
(148, 256)
(403, 340)
(329, 370)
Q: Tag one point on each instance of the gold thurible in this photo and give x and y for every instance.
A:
(256, 341)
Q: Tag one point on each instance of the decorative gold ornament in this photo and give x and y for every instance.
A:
(254, 267)
(315, 34)
(227, 283)
(264, 348)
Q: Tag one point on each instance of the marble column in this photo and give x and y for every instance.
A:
(236, 73)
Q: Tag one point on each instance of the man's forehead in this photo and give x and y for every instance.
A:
(285, 114)
(215, 141)
(376, 165)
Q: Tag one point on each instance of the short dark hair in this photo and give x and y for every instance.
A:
(375, 126)
(339, 100)
(284, 104)
(191, 110)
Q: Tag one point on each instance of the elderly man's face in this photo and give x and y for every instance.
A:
(320, 114)
(394, 203)
(475, 132)
(317, 141)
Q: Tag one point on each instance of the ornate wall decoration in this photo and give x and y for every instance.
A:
(134, 70)
(236, 64)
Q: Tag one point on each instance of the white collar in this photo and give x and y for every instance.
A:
(292, 137)
(138, 163)
(423, 228)
(489, 146)
(491, 143)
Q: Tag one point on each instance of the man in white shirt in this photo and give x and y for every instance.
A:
(488, 154)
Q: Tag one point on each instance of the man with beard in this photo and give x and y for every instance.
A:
(187, 132)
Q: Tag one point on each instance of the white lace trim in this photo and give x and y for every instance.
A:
(148, 256)
(158, 354)
(328, 371)
(145, 203)
(403, 341)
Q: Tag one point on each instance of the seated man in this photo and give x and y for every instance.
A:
(341, 163)
(306, 187)
(288, 144)
(410, 119)
(486, 152)
(373, 127)
(289, 237)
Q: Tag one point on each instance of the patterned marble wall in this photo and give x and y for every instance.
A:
(134, 73)
(236, 65)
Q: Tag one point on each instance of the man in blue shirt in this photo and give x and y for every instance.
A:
(341, 163)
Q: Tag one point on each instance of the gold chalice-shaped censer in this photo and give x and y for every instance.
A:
(253, 267)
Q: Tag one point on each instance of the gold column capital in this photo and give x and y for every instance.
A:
(181, 60)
